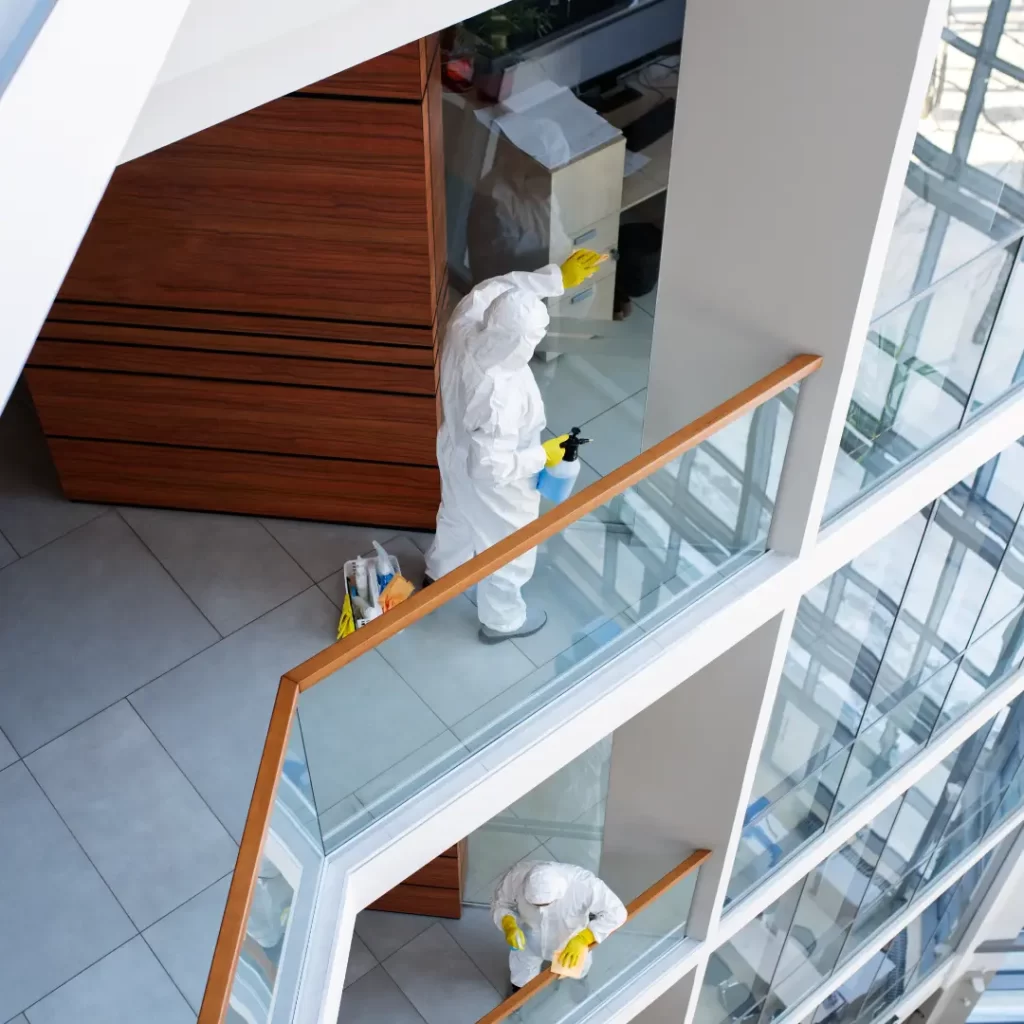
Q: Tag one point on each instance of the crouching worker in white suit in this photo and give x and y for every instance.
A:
(543, 906)
(489, 447)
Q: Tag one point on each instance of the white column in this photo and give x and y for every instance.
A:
(794, 126)
(681, 776)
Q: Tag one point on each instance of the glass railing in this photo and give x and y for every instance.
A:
(20, 22)
(383, 726)
(929, 366)
(654, 928)
(369, 723)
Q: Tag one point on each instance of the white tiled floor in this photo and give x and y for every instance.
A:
(142, 650)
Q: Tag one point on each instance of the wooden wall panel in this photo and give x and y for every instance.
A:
(304, 207)
(400, 74)
(317, 373)
(247, 417)
(222, 341)
(267, 293)
(240, 323)
(248, 482)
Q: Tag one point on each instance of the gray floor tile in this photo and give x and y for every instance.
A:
(212, 712)
(440, 980)
(358, 723)
(230, 566)
(33, 511)
(183, 941)
(323, 548)
(386, 933)
(126, 987)
(83, 622)
(476, 933)
(136, 815)
(7, 553)
(376, 999)
(8, 755)
(442, 659)
(58, 915)
(360, 961)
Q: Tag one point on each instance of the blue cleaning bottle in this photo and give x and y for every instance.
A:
(556, 482)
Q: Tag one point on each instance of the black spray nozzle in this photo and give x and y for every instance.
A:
(571, 445)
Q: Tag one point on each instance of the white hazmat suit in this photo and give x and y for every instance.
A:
(489, 445)
(578, 900)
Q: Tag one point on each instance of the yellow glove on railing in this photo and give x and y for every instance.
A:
(580, 265)
(554, 450)
(576, 947)
(513, 933)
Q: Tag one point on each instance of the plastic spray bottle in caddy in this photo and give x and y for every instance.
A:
(556, 482)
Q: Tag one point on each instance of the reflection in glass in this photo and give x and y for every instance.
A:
(400, 716)
(893, 648)
(558, 119)
(787, 951)
(947, 337)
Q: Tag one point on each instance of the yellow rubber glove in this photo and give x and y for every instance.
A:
(580, 265)
(576, 947)
(554, 450)
(513, 933)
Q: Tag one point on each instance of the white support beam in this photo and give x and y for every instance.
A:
(64, 119)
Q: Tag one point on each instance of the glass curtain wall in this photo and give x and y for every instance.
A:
(921, 948)
(558, 118)
(794, 945)
(885, 653)
(947, 339)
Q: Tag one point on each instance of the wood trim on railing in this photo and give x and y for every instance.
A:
(329, 660)
(515, 1001)
(247, 863)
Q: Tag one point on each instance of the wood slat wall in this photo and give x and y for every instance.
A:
(271, 288)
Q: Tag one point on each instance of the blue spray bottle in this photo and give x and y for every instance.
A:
(556, 482)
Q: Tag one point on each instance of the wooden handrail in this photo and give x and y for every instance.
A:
(328, 661)
(374, 633)
(518, 999)
(247, 863)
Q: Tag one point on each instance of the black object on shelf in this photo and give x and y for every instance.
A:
(650, 127)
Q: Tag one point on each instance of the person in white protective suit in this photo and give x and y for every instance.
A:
(543, 906)
(489, 447)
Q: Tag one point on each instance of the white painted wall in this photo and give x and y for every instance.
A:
(233, 55)
(64, 119)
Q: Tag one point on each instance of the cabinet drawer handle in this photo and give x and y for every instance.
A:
(585, 237)
(585, 294)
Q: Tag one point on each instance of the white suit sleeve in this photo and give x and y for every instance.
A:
(505, 896)
(494, 453)
(546, 282)
(494, 457)
(608, 910)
